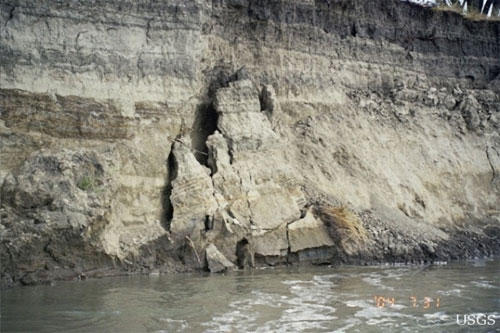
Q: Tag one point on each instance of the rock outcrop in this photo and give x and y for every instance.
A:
(216, 261)
(169, 136)
(308, 233)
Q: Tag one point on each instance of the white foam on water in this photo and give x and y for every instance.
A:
(333, 276)
(307, 308)
(374, 321)
(301, 314)
(437, 315)
(262, 298)
(316, 291)
(376, 281)
(292, 282)
(356, 303)
(311, 302)
(350, 323)
(287, 327)
(375, 314)
(173, 325)
(394, 276)
(324, 280)
(436, 319)
(451, 292)
(232, 321)
(484, 284)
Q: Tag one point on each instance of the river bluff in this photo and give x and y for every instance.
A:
(172, 136)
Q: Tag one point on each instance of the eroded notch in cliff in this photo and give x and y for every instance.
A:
(204, 125)
(493, 171)
(168, 208)
(11, 14)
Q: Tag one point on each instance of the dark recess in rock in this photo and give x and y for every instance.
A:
(245, 254)
(167, 205)
(209, 223)
(204, 125)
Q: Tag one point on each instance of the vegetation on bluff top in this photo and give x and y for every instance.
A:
(476, 10)
(472, 13)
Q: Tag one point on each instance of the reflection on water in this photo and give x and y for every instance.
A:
(305, 299)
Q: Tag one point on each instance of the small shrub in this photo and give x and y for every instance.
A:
(342, 219)
(86, 183)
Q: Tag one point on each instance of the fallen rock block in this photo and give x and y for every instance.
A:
(217, 262)
(308, 233)
(270, 243)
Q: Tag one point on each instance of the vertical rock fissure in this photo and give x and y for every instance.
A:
(204, 125)
(493, 171)
(209, 222)
(240, 252)
(11, 15)
(168, 208)
(49, 252)
(231, 155)
(289, 249)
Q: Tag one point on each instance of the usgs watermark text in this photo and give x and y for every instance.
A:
(474, 319)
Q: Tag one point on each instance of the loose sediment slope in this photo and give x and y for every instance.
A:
(132, 140)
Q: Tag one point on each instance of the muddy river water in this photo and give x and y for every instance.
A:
(456, 297)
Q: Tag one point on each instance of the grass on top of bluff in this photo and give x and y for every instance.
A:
(344, 221)
(472, 13)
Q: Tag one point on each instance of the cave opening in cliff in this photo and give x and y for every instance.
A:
(204, 125)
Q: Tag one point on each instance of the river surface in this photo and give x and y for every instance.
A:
(303, 299)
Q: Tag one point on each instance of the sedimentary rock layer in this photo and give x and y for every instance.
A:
(179, 135)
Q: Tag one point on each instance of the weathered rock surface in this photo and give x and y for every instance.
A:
(54, 210)
(141, 136)
(308, 233)
(192, 195)
(216, 261)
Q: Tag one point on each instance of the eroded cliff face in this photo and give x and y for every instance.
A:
(133, 140)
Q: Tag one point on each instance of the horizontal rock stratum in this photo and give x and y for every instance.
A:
(171, 136)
